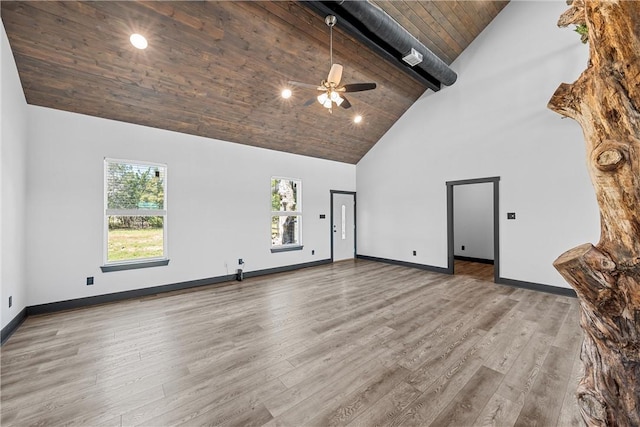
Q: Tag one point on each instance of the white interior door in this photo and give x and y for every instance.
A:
(344, 226)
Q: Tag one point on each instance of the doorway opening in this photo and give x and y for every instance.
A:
(343, 225)
(473, 244)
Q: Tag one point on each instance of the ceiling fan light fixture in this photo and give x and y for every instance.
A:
(357, 119)
(323, 97)
(330, 91)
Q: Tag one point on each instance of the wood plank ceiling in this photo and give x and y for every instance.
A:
(216, 69)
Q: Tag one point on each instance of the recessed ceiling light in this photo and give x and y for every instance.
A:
(138, 41)
(286, 93)
(357, 119)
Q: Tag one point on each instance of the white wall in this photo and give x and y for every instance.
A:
(492, 122)
(13, 147)
(473, 220)
(218, 199)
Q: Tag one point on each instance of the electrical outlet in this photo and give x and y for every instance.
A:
(414, 253)
(10, 301)
(511, 215)
(89, 281)
(313, 251)
(240, 261)
(463, 247)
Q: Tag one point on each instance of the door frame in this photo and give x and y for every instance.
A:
(496, 222)
(355, 227)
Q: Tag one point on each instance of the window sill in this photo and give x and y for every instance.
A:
(286, 248)
(133, 265)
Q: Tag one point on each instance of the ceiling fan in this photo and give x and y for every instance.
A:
(332, 92)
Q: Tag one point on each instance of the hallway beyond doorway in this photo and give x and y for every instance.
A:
(477, 270)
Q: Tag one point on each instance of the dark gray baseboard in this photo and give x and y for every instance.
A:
(406, 264)
(154, 290)
(502, 281)
(286, 268)
(471, 259)
(120, 296)
(13, 325)
(137, 293)
(538, 287)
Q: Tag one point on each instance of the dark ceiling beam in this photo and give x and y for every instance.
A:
(356, 29)
(379, 24)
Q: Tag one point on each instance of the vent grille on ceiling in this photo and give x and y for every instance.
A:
(413, 58)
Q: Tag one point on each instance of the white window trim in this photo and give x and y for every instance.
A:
(107, 265)
(297, 212)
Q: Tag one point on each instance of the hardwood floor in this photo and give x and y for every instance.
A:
(353, 343)
(476, 270)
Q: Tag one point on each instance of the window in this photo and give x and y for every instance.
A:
(286, 214)
(135, 214)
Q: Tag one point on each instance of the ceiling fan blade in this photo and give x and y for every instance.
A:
(310, 101)
(335, 74)
(305, 85)
(357, 87)
(345, 103)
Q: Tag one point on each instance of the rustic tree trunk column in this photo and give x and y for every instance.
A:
(605, 100)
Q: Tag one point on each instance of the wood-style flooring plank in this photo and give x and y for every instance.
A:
(520, 378)
(348, 370)
(355, 343)
(499, 411)
(216, 411)
(388, 408)
(219, 389)
(505, 355)
(543, 405)
(331, 395)
(468, 403)
(570, 413)
(346, 409)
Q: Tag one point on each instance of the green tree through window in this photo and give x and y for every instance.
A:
(135, 210)
(286, 213)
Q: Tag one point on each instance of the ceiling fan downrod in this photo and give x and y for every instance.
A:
(330, 20)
